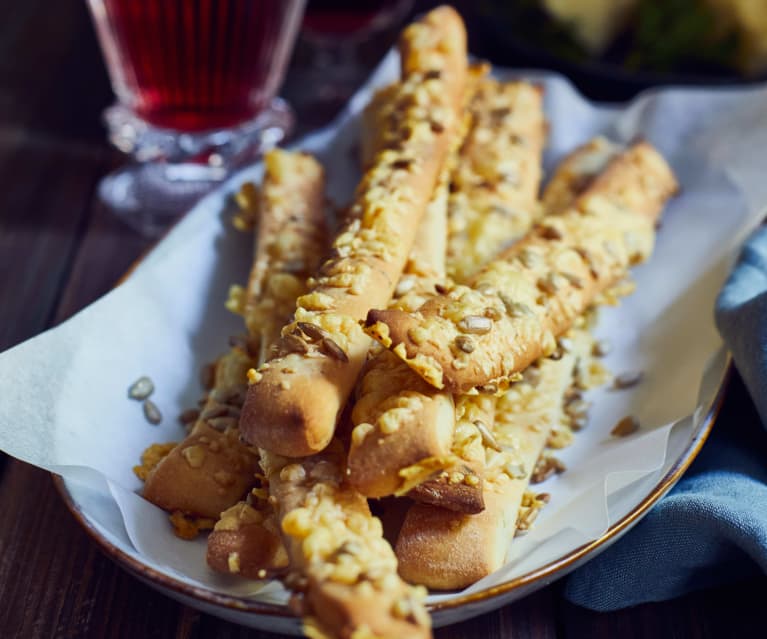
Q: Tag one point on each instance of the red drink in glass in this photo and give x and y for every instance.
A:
(196, 65)
(346, 17)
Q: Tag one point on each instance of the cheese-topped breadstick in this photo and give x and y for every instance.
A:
(514, 308)
(446, 550)
(494, 188)
(346, 571)
(291, 238)
(294, 400)
(379, 124)
(459, 486)
(212, 469)
(403, 438)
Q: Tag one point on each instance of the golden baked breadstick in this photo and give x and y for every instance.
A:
(291, 238)
(246, 541)
(459, 487)
(404, 438)
(514, 308)
(494, 188)
(347, 572)
(389, 395)
(294, 401)
(379, 124)
(212, 469)
(446, 550)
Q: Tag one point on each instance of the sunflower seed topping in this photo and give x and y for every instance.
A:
(625, 427)
(142, 388)
(465, 343)
(333, 350)
(488, 439)
(475, 324)
(628, 380)
(151, 412)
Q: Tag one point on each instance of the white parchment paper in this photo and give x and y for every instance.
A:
(64, 404)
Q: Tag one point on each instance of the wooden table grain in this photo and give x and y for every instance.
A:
(59, 251)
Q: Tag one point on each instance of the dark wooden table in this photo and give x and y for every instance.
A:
(59, 251)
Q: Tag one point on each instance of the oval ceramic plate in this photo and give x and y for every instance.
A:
(659, 330)
(278, 618)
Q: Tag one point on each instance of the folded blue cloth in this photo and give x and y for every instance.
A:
(712, 527)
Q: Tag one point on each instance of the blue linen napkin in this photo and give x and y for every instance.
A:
(712, 527)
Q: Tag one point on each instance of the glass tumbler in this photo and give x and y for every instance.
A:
(196, 84)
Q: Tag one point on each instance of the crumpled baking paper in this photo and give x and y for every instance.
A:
(64, 393)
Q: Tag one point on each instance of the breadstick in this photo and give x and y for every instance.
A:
(212, 469)
(494, 189)
(294, 401)
(512, 311)
(291, 238)
(379, 124)
(404, 439)
(390, 397)
(459, 487)
(446, 550)
(347, 571)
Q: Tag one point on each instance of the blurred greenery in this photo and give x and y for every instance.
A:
(661, 36)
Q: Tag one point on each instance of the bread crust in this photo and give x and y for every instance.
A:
(447, 550)
(514, 308)
(369, 255)
(247, 542)
(211, 469)
(290, 240)
(337, 546)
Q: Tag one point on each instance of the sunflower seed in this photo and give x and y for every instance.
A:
(550, 232)
(488, 439)
(475, 324)
(488, 389)
(333, 350)
(627, 380)
(312, 331)
(141, 388)
(601, 348)
(465, 343)
(151, 412)
(576, 281)
(577, 408)
(189, 416)
(625, 427)
(294, 344)
(546, 466)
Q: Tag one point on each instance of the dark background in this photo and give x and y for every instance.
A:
(60, 250)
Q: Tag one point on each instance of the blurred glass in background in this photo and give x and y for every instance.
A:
(195, 83)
